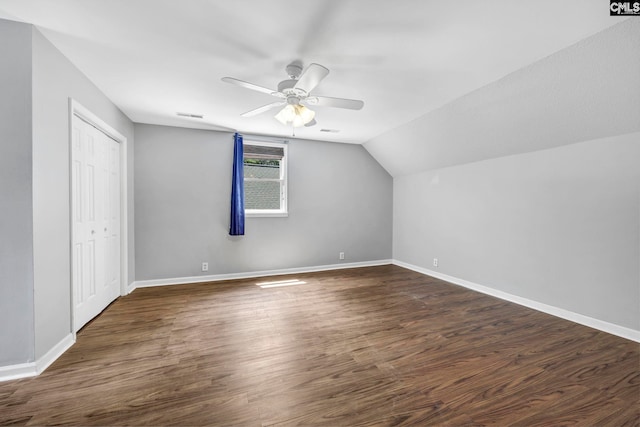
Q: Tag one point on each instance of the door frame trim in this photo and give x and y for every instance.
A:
(83, 113)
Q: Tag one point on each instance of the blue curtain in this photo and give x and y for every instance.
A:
(236, 227)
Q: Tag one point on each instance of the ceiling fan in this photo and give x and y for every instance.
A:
(295, 95)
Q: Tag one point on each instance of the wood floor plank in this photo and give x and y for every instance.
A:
(378, 346)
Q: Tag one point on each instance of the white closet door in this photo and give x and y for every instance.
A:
(95, 221)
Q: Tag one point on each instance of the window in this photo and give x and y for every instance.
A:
(265, 179)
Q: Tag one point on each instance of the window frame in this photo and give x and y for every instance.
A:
(283, 180)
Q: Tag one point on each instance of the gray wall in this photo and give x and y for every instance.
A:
(16, 233)
(36, 82)
(559, 226)
(55, 80)
(339, 200)
(530, 184)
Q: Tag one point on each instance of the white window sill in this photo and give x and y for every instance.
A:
(265, 214)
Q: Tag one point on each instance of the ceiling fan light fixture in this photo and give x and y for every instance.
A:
(295, 115)
(297, 122)
(306, 114)
(286, 115)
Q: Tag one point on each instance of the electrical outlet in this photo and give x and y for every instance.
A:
(341, 255)
(435, 262)
(205, 266)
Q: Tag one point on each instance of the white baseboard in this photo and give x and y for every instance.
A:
(56, 351)
(130, 288)
(31, 369)
(601, 325)
(249, 275)
(14, 372)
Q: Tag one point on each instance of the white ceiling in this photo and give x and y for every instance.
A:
(565, 98)
(404, 58)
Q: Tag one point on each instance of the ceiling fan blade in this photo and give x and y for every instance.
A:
(264, 108)
(311, 77)
(327, 101)
(311, 123)
(251, 86)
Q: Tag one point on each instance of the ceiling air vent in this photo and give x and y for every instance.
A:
(193, 116)
(330, 130)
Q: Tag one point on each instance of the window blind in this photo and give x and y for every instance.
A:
(263, 152)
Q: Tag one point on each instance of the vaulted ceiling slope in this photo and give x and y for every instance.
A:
(404, 58)
(587, 91)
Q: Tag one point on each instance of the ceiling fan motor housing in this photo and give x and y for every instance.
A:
(294, 70)
(287, 87)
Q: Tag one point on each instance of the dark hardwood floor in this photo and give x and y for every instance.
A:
(375, 346)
